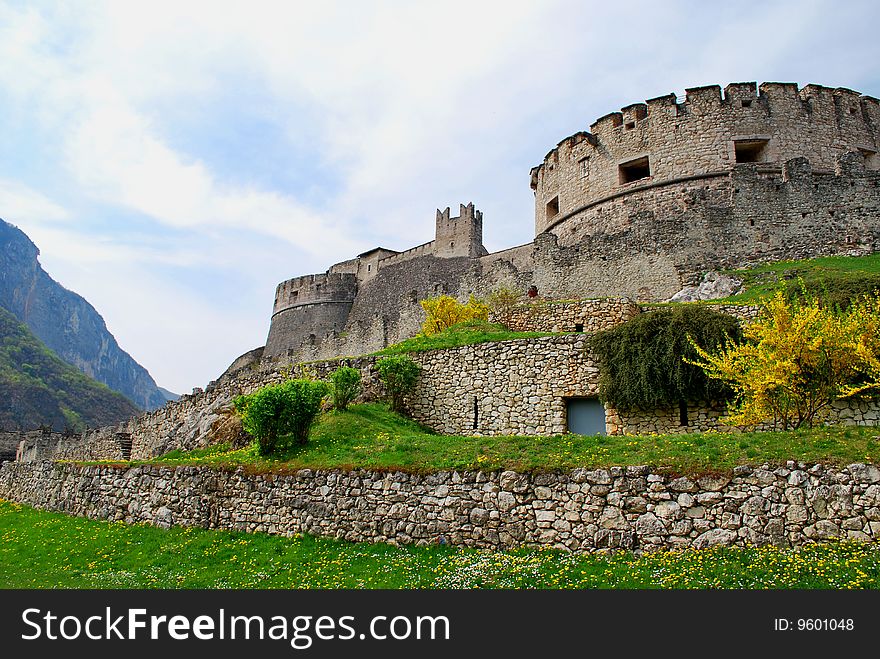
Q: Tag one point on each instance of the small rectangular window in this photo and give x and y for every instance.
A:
(579, 327)
(750, 150)
(634, 170)
(683, 414)
(872, 159)
(553, 208)
(584, 167)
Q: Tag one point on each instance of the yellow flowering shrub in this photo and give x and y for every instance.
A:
(796, 359)
(445, 311)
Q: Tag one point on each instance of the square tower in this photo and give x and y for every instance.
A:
(459, 236)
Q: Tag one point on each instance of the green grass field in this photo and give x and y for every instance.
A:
(51, 550)
(467, 333)
(834, 273)
(370, 436)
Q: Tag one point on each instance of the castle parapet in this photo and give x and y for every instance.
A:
(315, 289)
(662, 140)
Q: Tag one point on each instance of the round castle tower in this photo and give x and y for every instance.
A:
(662, 144)
(308, 307)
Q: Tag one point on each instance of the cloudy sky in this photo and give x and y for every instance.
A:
(174, 161)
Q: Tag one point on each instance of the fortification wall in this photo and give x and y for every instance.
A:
(698, 137)
(309, 308)
(677, 232)
(633, 508)
(568, 316)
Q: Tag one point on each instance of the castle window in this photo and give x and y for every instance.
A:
(872, 159)
(630, 125)
(634, 170)
(579, 327)
(750, 150)
(584, 166)
(451, 245)
(553, 208)
(747, 103)
(476, 413)
(294, 295)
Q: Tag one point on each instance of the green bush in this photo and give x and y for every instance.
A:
(279, 411)
(642, 361)
(838, 292)
(346, 385)
(399, 374)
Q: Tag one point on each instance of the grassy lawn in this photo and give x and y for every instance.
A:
(468, 333)
(370, 436)
(51, 550)
(835, 272)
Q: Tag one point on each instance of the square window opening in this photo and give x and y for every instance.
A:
(584, 167)
(553, 208)
(579, 327)
(634, 170)
(872, 159)
(750, 150)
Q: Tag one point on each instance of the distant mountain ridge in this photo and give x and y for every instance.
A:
(66, 322)
(37, 389)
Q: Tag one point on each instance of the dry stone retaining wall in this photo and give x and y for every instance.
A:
(584, 510)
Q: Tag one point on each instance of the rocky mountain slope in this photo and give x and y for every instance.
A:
(38, 389)
(66, 322)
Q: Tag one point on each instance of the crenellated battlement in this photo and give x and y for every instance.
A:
(646, 201)
(311, 289)
(662, 139)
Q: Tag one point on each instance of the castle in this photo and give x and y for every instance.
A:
(637, 208)
(642, 205)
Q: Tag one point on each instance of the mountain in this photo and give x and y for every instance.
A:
(169, 395)
(38, 389)
(66, 322)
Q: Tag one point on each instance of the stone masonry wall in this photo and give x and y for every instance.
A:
(703, 417)
(505, 388)
(697, 137)
(582, 510)
(568, 316)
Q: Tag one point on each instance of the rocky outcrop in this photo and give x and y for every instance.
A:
(713, 287)
(66, 322)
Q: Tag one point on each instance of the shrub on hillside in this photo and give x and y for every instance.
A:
(345, 386)
(445, 311)
(642, 360)
(399, 374)
(280, 411)
(797, 358)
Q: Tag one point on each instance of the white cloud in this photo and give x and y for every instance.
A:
(408, 106)
(19, 203)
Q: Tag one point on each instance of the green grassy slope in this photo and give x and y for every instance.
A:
(369, 436)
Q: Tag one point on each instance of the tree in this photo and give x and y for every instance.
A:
(797, 358)
(281, 410)
(346, 385)
(641, 361)
(502, 301)
(399, 374)
(444, 311)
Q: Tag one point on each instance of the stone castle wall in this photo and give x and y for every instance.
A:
(567, 316)
(756, 174)
(634, 508)
(698, 137)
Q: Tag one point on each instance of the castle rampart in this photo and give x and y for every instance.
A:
(662, 140)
